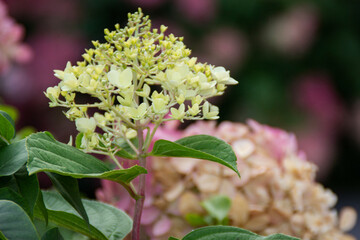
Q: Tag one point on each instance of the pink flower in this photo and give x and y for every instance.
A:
(225, 46)
(292, 32)
(199, 11)
(11, 34)
(277, 191)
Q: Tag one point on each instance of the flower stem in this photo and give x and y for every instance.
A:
(141, 189)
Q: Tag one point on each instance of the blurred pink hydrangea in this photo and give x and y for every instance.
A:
(276, 193)
(316, 96)
(226, 47)
(292, 32)
(11, 33)
(199, 11)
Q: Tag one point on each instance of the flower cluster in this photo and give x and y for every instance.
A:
(10, 35)
(139, 76)
(276, 194)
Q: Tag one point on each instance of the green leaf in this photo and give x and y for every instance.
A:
(195, 220)
(11, 195)
(10, 182)
(218, 207)
(52, 234)
(106, 222)
(40, 205)
(7, 128)
(227, 232)
(2, 236)
(78, 140)
(173, 238)
(198, 146)
(15, 223)
(68, 188)
(24, 132)
(126, 151)
(12, 158)
(28, 187)
(71, 222)
(48, 155)
(11, 111)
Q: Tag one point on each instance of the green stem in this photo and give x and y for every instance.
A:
(141, 189)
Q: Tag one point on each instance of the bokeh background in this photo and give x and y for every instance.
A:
(297, 63)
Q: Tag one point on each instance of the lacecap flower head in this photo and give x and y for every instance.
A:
(138, 76)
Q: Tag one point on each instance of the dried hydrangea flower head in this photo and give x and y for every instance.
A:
(122, 75)
(276, 194)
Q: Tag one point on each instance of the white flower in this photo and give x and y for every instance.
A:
(85, 125)
(137, 113)
(223, 76)
(120, 79)
(53, 92)
(70, 82)
(210, 111)
(178, 113)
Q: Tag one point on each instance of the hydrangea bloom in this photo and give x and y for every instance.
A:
(10, 35)
(277, 191)
(137, 77)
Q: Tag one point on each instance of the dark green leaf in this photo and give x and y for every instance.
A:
(10, 182)
(227, 232)
(172, 238)
(69, 189)
(40, 205)
(52, 234)
(11, 195)
(195, 220)
(49, 155)
(71, 222)
(28, 187)
(198, 146)
(218, 207)
(7, 128)
(106, 222)
(15, 223)
(12, 158)
(2, 236)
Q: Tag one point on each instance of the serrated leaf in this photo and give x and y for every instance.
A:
(106, 222)
(12, 219)
(48, 155)
(12, 158)
(52, 234)
(69, 190)
(7, 128)
(228, 232)
(218, 207)
(198, 146)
